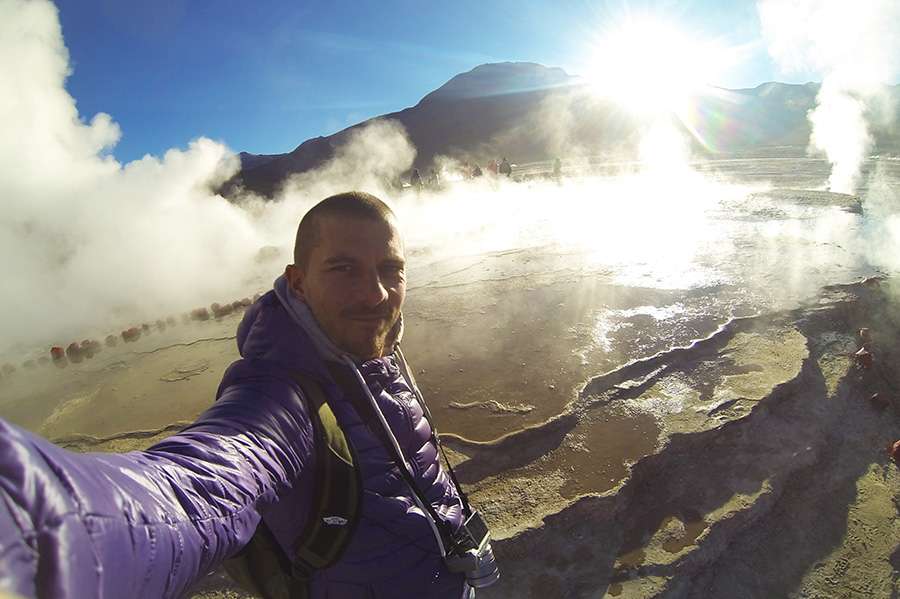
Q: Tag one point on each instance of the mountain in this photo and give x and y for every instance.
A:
(249, 160)
(527, 112)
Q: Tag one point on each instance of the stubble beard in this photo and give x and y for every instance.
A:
(380, 339)
(375, 345)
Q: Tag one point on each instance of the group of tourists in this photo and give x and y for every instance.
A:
(503, 168)
(472, 170)
(466, 170)
(432, 180)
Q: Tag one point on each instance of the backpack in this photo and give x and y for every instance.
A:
(262, 567)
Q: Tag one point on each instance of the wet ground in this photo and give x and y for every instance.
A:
(555, 364)
(779, 486)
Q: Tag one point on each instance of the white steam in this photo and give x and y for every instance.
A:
(856, 47)
(88, 245)
(371, 158)
(882, 223)
(84, 239)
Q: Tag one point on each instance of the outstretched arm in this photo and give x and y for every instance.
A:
(147, 523)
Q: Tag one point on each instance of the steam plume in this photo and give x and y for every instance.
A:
(87, 243)
(856, 47)
(82, 237)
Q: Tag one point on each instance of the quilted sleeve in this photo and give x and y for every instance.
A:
(147, 523)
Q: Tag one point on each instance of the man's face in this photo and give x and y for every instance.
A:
(354, 283)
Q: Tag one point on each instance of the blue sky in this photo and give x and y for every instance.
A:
(265, 75)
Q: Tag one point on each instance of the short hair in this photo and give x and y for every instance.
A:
(354, 204)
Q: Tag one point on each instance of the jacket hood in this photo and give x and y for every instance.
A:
(280, 329)
(267, 333)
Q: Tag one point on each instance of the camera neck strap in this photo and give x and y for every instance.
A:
(441, 529)
(436, 439)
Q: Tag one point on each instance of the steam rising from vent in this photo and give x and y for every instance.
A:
(88, 243)
(856, 47)
(372, 158)
(83, 237)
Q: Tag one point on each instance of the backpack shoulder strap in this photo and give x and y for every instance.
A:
(263, 567)
(335, 508)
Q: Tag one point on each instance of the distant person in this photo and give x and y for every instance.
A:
(492, 167)
(317, 469)
(477, 172)
(415, 180)
(434, 179)
(505, 167)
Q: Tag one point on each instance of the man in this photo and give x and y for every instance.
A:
(148, 524)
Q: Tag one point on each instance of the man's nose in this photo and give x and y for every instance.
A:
(374, 291)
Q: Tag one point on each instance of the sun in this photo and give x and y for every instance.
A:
(653, 68)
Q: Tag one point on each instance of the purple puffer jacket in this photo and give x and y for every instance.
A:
(148, 524)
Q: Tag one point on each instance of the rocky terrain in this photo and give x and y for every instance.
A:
(770, 476)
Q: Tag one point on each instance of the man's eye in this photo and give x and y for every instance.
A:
(341, 268)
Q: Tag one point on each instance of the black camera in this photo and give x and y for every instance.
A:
(472, 554)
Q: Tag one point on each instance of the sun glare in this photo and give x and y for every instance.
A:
(652, 68)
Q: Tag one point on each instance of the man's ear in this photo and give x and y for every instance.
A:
(295, 278)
